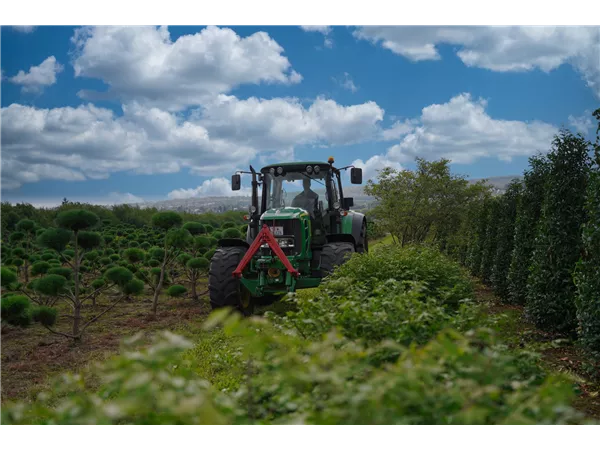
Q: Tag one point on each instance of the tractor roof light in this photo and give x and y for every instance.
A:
(330, 160)
(252, 209)
(279, 170)
(336, 205)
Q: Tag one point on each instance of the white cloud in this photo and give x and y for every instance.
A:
(397, 130)
(90, 142)
(282, 123)
(462, 131)
(323, 29)
(582, 124)
(214, 187)
(145, 65)
(374, 164)
(502, 49)
(24, 28)
(347, 83)
(38, 77)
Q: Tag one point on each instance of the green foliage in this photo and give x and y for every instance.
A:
(178, 238)
(16, 237)
(490, 242)
(55, 238)
(65, 272)
(19, 252)
(209, 254)
(76, 219)
(88, 240)
(44, 315)
(558, 244)
(232, 233)
(507, 212)
(198, 264)
(217, 235)
(202, 243)
(25, 225)
(166, 220)
(134, 255)
(176, 290)
(227, 225)
(40, 268)
(118, 275)
(528, 216)
(133, 287)
(16, 310)
(184, 258)
(17, 262)
(442, 278)
(98, 283)
(587, 274)
(7, 276)
(51, 285)
(194, 228)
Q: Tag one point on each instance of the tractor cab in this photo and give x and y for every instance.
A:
(300, 227)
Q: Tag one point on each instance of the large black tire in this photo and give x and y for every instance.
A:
(335, 254)
(224, 289)
(363, 241)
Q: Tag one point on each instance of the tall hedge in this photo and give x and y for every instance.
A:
(558, 244)
(478, 239)
(507, 212)
(527, 221)
(488, 253)
(587, 276)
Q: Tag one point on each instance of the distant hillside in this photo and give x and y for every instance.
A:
(221, 204)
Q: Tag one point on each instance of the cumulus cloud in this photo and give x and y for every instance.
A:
(501, 49)
(325, 30)
(374, 164)
(38, 77)
(90, 142)
(145, 65)
(281, 123)
(24, 28)
(582, 124)
(462, 131)
(214, 187)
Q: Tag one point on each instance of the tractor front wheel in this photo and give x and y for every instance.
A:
(335, 254)
(224, 289)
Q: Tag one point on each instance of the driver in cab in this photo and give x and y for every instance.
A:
(307, 199)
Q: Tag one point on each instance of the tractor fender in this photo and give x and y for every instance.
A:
(232, 242)
(352, 224)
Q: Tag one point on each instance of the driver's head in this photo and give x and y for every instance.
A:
(306, 183)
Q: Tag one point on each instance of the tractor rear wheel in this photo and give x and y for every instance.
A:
(335, 254)
(224, 289)
(363, 244)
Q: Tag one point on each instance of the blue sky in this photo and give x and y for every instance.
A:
(111, 115)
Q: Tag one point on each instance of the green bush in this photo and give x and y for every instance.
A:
(76, 219)
(558, 245)
(176, 290)
(44, 315)
(441, 277)
(232, 233)
(62, 271)
(7, 277)
(16, 310)
(40, 268)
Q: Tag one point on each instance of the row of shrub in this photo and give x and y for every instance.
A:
(393, 337)
(538, 244)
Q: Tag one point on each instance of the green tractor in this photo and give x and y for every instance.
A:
(288, 246)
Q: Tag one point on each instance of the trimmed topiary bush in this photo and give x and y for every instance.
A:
(176, 290)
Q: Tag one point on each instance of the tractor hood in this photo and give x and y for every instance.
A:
(283, 213)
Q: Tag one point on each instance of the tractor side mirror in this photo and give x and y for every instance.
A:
(348, 202)
(236, 182)
(356, 175)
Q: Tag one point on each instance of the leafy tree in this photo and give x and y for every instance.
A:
(558, 244)
(507, 209)
(488, 253)
(529, 211)
(195, 228)
(587, 274)
(174, 241)
(16, 310)
(196, 267)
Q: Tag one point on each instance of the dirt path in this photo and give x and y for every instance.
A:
(558, 354)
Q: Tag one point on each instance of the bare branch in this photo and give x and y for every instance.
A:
(93, 319)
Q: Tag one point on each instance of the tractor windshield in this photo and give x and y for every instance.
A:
(296, 189)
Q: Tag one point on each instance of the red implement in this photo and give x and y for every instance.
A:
(264, 237)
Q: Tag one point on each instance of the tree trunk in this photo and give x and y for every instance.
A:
(194, 293)
(159, 285)
(77, 309)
